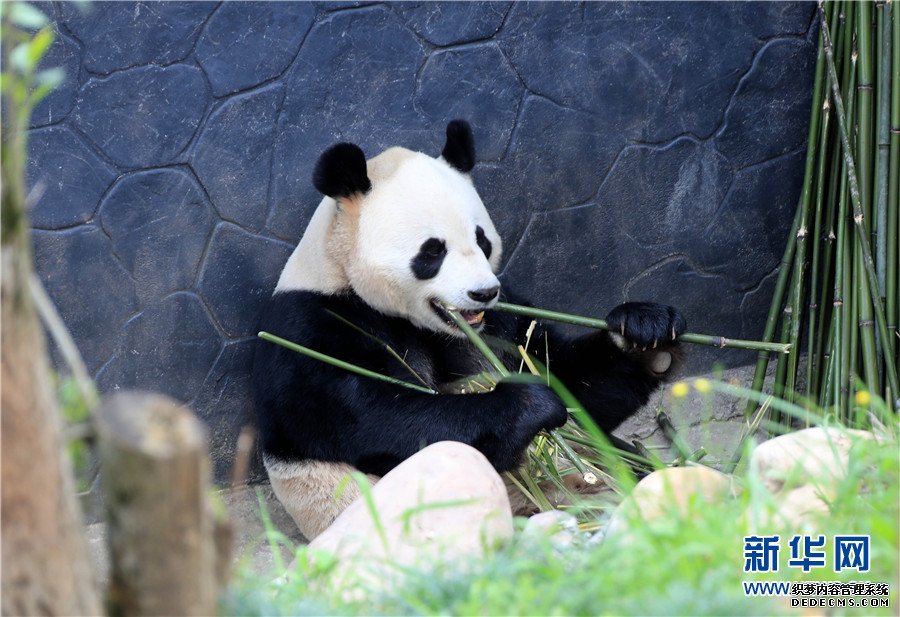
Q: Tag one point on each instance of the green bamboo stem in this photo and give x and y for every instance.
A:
(353, 368)
(784, 271)
(781, 369)
(826, 293)
(892, 270)
(824, 391)
(501, 369)
(858, 214)
(384, 345)
(813, 345)
(883, 102)
(849, 329)
(864, 148)
(809, 181)
(841, 282)
(668, 429)
(600, 324)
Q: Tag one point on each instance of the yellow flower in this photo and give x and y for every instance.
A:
(679, 390)
(702, 385)
(863, 397)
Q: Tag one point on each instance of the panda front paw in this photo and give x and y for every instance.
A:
(646, 326)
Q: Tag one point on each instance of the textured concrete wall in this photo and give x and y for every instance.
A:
(626, 151)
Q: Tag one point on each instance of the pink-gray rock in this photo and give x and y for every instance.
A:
(818, 456)
(445, 502)
(674, 491)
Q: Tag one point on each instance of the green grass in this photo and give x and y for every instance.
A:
(680, 565)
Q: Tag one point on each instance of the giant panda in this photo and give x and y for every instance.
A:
(391, 237)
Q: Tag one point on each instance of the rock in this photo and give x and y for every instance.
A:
(677, 491)
(746, 261)
(814, 456)
(561, 528)
(416, 527)
(798, 510)
(247, 43)
(239, 275)
(93, 292)
(769, 103)
(224, 403)
(145, 214)
(169, 348)
(483, 89)
(118, 35)
(71, 175)
(234, 152)
(452, 23)
(802, 470)
(365, 55)
(53, 108)
(143, 117)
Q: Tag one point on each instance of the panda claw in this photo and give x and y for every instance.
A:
(622, 328)
(673, 333)
(654, 343)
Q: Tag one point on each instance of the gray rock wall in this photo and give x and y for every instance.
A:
(626, 151)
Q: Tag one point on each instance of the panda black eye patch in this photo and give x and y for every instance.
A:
(427, 262)
(483, 243)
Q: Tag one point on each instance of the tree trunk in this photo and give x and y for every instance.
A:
(46, 566)
(156, 474)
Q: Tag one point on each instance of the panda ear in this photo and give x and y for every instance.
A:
(459, 150)
(341, 171)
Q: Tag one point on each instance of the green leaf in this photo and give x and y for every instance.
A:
(40, 44)
(27, 16)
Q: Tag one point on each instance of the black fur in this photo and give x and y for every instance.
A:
(483, 243)
(459, 150)
(427, 262)
(341, 171)
(310, 410)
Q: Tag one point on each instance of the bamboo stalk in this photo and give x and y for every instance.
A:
(847, 360)
(353, 368)
(892, 275)
(813, 346)
(384, 345)
(826, 293)
(599, 324)
(883, 102)
(858, 215)
(864, 143)
(485, 349)
(809, 181)
(668, 429)
(784, 271)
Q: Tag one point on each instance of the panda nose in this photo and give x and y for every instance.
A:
(484, 295)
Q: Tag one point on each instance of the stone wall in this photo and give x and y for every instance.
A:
(626, 151)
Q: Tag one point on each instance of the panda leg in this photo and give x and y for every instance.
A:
(308, 491)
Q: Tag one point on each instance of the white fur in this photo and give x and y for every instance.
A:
(414, 197)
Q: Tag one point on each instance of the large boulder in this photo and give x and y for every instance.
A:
(802, 470)
(818, 456)
(674, 491)
(445, 502)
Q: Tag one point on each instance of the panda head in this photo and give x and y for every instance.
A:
(410, 232)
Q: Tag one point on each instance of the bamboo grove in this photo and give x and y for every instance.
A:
(837, 290)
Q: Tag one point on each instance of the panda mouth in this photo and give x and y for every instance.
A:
(472, 317)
